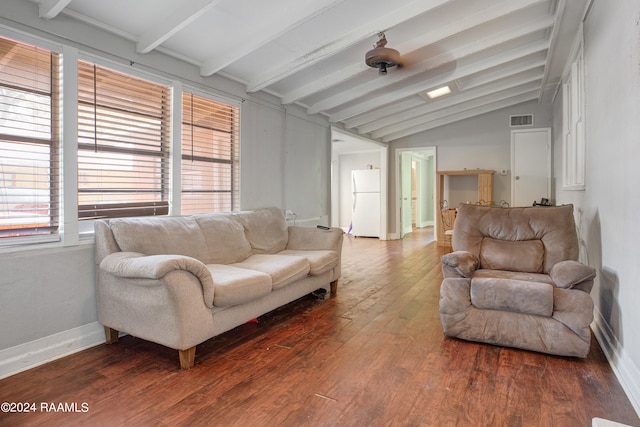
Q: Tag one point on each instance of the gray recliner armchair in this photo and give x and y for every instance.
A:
(513, 280)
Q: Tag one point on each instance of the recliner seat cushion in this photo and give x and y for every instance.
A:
(512, 295)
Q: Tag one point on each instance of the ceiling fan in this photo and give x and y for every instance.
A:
(382, 57)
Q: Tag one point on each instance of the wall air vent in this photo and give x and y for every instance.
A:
(521, 120)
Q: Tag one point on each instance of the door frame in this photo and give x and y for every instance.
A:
(335, 184)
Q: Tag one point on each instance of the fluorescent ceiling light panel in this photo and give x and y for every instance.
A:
(444, 90)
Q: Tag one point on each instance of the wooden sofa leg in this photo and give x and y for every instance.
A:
(187, 358)
(111, 335)
(334, 287)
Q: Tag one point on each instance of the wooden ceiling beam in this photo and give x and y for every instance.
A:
(340, 42)
(475, 47)
(429, 83)
(299, 13)
(187, 13)
(473, 19)
(49, 9)
(534, 74)
(462, 115)
(460, 106)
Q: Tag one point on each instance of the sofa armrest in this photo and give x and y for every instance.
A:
(459, 264)
(140, 266)
(570, 274)
(310, 239)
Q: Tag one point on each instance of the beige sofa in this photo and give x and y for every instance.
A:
(179, 281)
(513, 280)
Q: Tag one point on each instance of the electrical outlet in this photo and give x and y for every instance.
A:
(503, 172)
(288, 213)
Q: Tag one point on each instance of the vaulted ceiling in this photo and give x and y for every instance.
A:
(491, 53)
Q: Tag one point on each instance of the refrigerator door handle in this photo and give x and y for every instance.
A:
(353, 208)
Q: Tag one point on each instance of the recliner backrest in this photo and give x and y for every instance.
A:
(527, 239)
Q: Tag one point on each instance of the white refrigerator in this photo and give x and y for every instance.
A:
(365, 215)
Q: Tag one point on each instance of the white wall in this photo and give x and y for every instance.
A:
(482, 142)
(307, 177)
(608, 210)
(47, 297)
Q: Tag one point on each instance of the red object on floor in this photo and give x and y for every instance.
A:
(253, 320)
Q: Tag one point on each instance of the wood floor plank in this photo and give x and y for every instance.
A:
(372, 355)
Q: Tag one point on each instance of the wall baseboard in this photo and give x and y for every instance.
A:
(623, 367)
(38, 352)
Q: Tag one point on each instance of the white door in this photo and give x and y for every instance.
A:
(530, 166)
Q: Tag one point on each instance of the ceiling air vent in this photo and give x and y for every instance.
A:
(521, 120)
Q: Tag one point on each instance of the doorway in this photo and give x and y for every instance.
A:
(415, 179)
(352, 152)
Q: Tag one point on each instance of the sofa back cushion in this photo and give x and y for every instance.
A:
(554, 226)
(218, 238)
(225, 238)
(160, 236)
(523, 256)
(266, 229)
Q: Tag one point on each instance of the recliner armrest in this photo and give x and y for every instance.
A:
(139, 266)
(460, 263)
(569, 274)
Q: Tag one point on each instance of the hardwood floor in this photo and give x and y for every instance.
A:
(373, 355)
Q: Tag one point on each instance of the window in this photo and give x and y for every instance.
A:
(210, 155)
(29, 140)
(573, 143)
(123, 144)
(129, 160)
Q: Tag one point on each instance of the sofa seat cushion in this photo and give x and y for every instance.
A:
(234, 285)
(319, 261)
(283, 269)
(512, 295)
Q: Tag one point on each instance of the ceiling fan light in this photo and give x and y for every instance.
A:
(382, 57)
(444, 90)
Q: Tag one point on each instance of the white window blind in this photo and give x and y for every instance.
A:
(123, 144)
(210, 155)
(29, 140)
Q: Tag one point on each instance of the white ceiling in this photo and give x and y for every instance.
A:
(492, 53)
